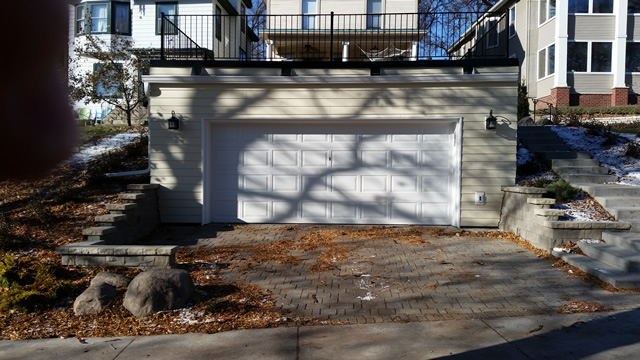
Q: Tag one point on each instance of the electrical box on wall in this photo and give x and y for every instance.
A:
(480, 198)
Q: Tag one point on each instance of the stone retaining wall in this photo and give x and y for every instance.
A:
(528, 214)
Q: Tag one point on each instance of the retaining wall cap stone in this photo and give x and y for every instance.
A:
(523, 189)
(587, 225)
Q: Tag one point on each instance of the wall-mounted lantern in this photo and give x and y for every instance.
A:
(491, 121)
(173, 122)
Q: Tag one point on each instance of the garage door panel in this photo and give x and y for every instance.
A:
(370, 173)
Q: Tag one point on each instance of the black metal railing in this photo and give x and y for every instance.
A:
(335, 37)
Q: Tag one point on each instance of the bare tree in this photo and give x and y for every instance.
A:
(257, 21)
(115, 78)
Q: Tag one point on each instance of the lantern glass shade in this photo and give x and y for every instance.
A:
(491, 122)
(173, 123)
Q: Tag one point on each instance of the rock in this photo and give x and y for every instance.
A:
(544, 120)
(157, 290)
(526, 121)
(92, 300)
(118, 281)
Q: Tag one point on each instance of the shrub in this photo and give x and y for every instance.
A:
(523, 101)
(562, 191)
(633, 150)
(29, 284)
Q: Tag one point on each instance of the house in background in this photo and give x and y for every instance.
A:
(575, 52)
(362, 29)
(141, 22)
(332, 139)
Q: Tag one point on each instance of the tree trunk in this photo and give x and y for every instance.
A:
(129, 111)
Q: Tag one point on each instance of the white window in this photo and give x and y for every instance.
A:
(546, 61)
(491, 30)
(512, 21)
(170, 10)
(309, 10)
(374, 14)
(591, 6)
(632, 61)
(99, 18)
(589, 56)
(547, 10)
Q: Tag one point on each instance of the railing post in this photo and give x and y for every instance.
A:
(162, 57)
(331, 39)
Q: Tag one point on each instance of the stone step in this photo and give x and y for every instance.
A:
(553, 155)
(574, 162)
(548, 147)
(629, 241)
(132, 196)
(110, 218)
(611, 190)
(618, 201)
(619, 258)
(99, 230)
(589, 179)
(625, 212)
(142, 187)
(541, 201)
(635, 224)
(580, 170)
(121, 207)
(604, 272)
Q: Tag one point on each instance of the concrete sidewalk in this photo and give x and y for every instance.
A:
(575, 336)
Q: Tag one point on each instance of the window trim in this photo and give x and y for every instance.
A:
(625, 60)
(512, 23)
(496, 27)
(158, 26)
(218, 23)
(547, 9)
(547, 71)
(590, 57)
(111, 18)
(243, 18)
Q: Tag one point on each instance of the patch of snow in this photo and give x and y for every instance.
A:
(591, 241)
(613, 156)
(89, 152)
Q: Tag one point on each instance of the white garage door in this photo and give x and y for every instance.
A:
(400, 173)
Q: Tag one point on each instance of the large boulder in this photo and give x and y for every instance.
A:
(94, 299)
(157, 290)
(526, 121)
(118, 281)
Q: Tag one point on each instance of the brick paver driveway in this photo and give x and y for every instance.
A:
(386, 280)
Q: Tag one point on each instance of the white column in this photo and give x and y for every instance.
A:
(414, 50)
(269, 50)
(619, 51)
(562, 35)
(345, 51)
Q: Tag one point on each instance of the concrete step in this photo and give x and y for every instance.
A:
(616, 257)
(604, 272)
(121, 207)
(548, 147)
(132, 196)
(574, 162)
(606, 190)
(618, 201)
(553, 155)
(635, 224)
(625, 212)
(629, 241)
(110, 219)
(580, 170)
(589, 179)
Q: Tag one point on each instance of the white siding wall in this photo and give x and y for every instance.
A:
(591, 83)
(592, 27)
(488, 157)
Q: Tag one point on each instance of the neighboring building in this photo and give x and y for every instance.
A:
(357, 31)
(576, 52)
(140, 21)
(331, 139)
